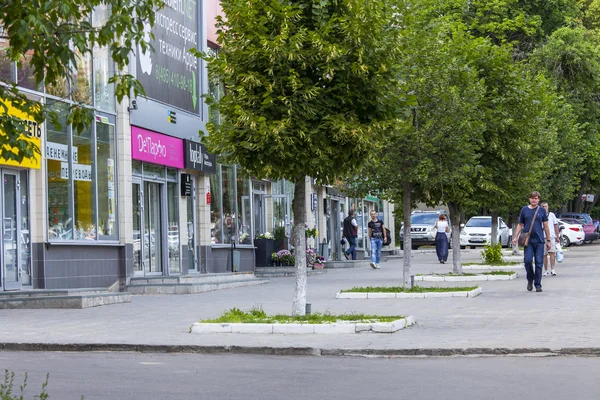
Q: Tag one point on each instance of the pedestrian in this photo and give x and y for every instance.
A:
(376, 235)
(441, 238)
(350, 233)
(554, 238)
(534, 219)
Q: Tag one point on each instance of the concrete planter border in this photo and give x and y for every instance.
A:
(488, 267)
(302, 329)
(479, 277)
(424, 295)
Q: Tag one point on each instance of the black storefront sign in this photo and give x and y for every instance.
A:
(186, 185)
(198, 159)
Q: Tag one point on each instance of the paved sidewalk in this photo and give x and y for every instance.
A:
(564, 318)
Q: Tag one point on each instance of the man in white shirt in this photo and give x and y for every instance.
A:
(554, 239)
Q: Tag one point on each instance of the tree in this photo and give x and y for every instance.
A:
(309, 88)
(571, 58)
(49, 37)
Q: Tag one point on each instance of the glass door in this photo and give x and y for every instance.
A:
(137, 203)
(11, 231)
(193, 261)
(152, 228)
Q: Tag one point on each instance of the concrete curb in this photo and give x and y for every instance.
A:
(476, 278)
(488, 267)
(393, 295)
(302, 351)
(327, 329)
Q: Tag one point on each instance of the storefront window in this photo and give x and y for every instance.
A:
(228, 199)
(5, 64)
(81, 180)
(81, 79)
(25, 77)
(243, 197)
(106, 179)
(173, 224)
(216, 230)
(83, 193)
(57, 164)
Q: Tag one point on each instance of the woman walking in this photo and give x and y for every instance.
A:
(441, 238)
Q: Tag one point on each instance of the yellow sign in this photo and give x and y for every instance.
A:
(34, 135)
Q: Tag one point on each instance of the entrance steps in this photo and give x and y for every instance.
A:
(191, 284)
(276, 272)
(61, 298)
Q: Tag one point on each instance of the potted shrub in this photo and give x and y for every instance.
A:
(319, 262)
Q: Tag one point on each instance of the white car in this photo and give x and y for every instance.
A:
(478, 230)
(571, 232)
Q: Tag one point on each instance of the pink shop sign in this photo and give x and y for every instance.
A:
(155, 148)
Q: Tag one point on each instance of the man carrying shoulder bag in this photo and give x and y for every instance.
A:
(533, 219)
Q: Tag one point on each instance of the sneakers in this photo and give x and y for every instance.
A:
(373, 265)
(538, 289)
(547, 273)
(530, 285)
(553, 273)
(346, 255)
(378, 267)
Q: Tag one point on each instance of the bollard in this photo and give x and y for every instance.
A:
(412, 281)
(307, 309)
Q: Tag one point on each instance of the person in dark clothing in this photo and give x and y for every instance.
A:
(534, 219)
(350, 233)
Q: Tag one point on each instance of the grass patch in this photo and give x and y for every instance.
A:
(448, 274)
(496, 263)
(498, 273)
(257, 316)
(415, 289)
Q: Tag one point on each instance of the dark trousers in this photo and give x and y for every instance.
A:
(352, 246)
(534, 252)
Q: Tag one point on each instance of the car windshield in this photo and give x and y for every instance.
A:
(582, 218)
(479, 223)
(424, 219)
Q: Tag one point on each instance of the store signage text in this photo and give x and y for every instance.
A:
(33, 135)
(156, 148)
(198, 159)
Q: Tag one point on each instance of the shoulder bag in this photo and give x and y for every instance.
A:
(523, 239)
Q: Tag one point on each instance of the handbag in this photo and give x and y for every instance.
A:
(560, 256)
(523, 239)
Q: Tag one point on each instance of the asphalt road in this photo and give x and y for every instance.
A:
(185, 376)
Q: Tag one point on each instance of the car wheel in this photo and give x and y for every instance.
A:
(509, 241)
(564, 241)
(401, 245)
(415, 247)
(463, 247)
(472, 247)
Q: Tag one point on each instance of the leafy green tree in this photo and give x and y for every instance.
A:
(571, 58)
(49, 37)
(309, 88)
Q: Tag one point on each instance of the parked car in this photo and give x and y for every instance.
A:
(586, 221)
(571, 232)
(422, 228)
(478, 231)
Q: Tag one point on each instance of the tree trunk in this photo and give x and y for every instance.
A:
(298, 233)
(494, 235)
(406, 190)
(454, 210)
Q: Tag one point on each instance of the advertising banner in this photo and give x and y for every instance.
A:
(169, 74)
(34, 135)
(155, 148)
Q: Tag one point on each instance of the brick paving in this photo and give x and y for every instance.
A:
(566, 315)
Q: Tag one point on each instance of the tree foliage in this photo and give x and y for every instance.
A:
(310, 88)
